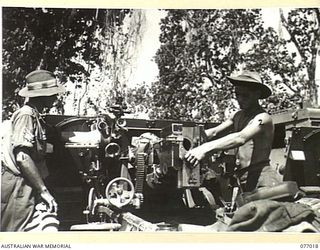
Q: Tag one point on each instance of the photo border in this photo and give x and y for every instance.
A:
(140, 237)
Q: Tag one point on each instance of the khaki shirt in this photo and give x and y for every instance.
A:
(26, 131)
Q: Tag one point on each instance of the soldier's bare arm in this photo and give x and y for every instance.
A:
(31, 173)
(259, 124)
(212, 132)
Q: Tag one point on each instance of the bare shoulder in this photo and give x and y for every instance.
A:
(263, 118)
(232, 114)
(261, 123)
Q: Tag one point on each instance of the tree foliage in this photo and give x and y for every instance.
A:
(64, 41)
(290, 58)
(96, 49)
(119, 45)
(201, 47)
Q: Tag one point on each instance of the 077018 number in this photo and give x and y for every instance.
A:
(309, 246)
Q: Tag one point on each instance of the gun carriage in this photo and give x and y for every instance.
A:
(129, 174)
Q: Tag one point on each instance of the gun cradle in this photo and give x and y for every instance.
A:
(167, 153)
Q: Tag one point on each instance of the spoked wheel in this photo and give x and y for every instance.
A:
(120, 192)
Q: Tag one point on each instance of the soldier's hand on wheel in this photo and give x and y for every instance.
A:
(194, 156)
(49, 200)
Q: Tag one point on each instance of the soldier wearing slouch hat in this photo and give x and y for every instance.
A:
(22, 157)
(252, 134)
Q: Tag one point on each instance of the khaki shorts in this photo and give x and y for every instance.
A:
(264, 176)
(17, 202)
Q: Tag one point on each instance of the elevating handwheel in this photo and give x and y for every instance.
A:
(120, 192)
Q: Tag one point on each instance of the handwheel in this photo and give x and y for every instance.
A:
(120, 192)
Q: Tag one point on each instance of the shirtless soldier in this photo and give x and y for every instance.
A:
(251, 137)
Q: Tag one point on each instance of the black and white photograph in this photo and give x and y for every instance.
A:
(160, 120)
